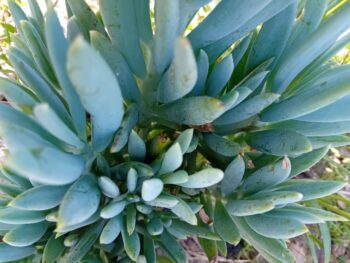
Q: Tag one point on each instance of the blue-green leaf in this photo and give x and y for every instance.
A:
(233, 175)
(267, 176)
(303, 54)
(111, 230)
(204, 178)
(131, 242)
(108, 187)
(80, 202)
(306, 161)
(25, 235)
(279, 142)
(166, 14)
(10, 253)
(184, 212)
(120, 20)
(312, 189)
(39, 198)
(193, 110)
(113, 209)
(170, 245)
(276, 227)
(172, 159)
(151, 189)
(247, 109)
(181, 76)
(53, 249)
(227, 17)
(118, 64)
(203, 70)
(52, 123)
(219, 76)
(249, 207)
(10, 215)
(224, 225)
(57, 46)
(18, 96)
(96, 86)
(136, 147)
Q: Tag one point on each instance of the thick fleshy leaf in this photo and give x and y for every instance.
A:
(136, 147)
(113, 209)
(118, 64)
(46, 165)
(332, 141)
(184, 140)
(249, 207)
(327, 90)
(9, 253)
(52, 123)
(18, 96)
(224, 225)
(203, 70)
(178, 177)
(303, 54)
(271, 249)
(122, 135)
(270, 10)
(169, 244)
(306, 161)
(130, 219)
(204, 178)
(247, 109)
(108, 187)
(39, 198)
(233, 175)
(267, 176)
(80, 202)
(181, 76)
(131, 180)
(172, 159)
(193, 110)
(25, 235)
(131, 242)
(123, 29)
(96, 86)
(312, 189)
(53, 249)
(155, 226)
(85, 17)
(337, 111)
(85, 243)
(276, 227)
(227, 17)
(278, 28)
(184, 212)
(39, 86)
(314, 128)
(151, 189)
(111, 230)
(222, 146)
(57, 46)
(166, 13)
(164, 200)
(204, 232)
(219, 76)
(278, 197)
(10, 215)
(279, 142)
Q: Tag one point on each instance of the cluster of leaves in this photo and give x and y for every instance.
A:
(121, 139)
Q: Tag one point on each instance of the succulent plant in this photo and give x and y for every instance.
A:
(124, 135)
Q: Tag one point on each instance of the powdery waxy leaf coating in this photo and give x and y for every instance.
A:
(80, 202)
(25, 235)
(204, 178)
(151, 189)
(96, 85)
(181, 76)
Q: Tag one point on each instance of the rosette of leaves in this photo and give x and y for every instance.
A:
(111, 127)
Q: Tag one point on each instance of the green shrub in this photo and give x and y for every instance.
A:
(120, 140)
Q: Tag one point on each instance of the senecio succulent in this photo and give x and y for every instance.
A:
(124, 135)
